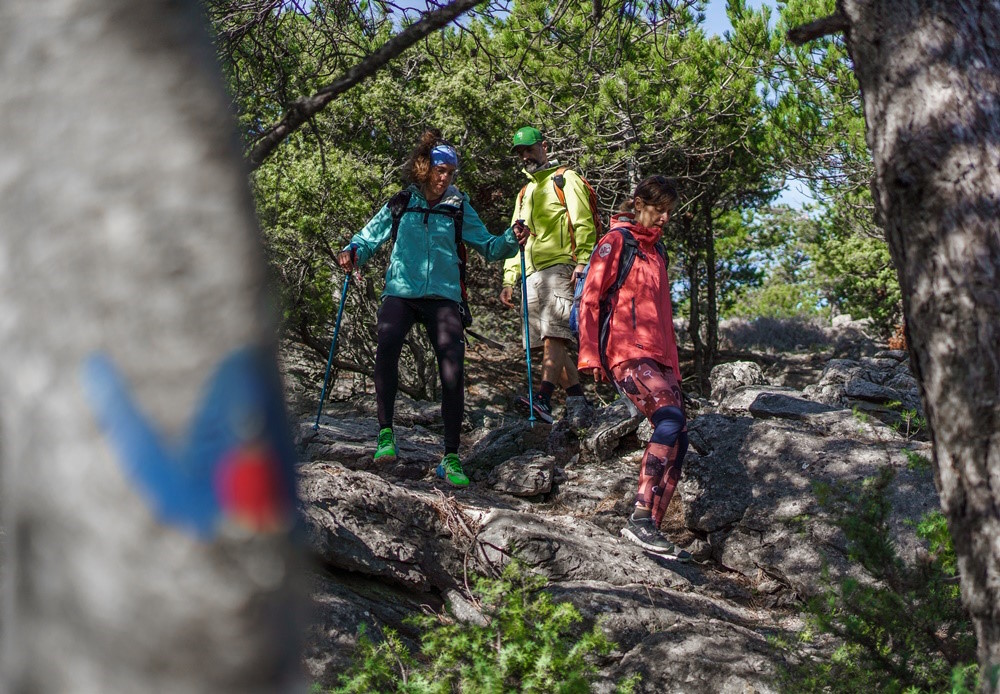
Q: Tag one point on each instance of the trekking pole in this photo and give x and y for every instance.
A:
(485, 340)
(333, 348)
(527, 337)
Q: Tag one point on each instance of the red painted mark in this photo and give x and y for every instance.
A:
(250, 488)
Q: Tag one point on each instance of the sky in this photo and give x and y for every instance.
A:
(795, 193)
(716, 21)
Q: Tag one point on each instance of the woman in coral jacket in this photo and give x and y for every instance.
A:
(639, 351)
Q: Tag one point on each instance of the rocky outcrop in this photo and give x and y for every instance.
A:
(784, 532)
(390, 538)
(725, 378)
(881, 386)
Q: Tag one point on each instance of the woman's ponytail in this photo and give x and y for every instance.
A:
(658, 191)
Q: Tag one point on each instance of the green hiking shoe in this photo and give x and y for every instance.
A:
(385, 450)
(450, 470)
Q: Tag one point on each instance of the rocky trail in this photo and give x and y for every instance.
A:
(392, 540)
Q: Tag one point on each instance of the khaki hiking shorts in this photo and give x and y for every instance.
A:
(550, 298)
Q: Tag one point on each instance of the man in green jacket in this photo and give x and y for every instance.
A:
(555, 205)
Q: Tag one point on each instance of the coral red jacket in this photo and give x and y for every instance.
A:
(642, 321)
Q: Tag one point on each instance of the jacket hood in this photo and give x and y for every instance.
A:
(644, 235)
(452, 197)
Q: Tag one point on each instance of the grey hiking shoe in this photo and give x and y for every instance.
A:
(542, 411)
(644, 533)
(385, 448)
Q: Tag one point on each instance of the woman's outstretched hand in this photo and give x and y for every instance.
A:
(345, 259)
(521, 232)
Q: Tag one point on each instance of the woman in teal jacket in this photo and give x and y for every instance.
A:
(422, 285)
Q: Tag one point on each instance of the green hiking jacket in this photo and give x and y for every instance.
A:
(550, 242)
(424, 260)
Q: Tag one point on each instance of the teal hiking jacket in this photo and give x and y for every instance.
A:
(424, 260)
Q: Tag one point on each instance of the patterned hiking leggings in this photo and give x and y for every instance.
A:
(654, 389)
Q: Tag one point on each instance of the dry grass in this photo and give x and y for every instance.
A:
(774, 335)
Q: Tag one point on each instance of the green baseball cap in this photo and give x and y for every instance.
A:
(526, 136)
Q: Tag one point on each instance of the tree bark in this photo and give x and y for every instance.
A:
(930, 78)
(128, 232)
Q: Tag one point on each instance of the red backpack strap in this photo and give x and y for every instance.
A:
(520, 198)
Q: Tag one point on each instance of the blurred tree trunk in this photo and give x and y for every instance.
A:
(127, 231)
(930, 78)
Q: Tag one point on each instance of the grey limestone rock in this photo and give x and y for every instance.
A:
(611, 424)
(872, 392)
(525, 475)
(784, 406)
(739, 400)
(568, 548)
(785, 533)
(725, 378)
(504, 443)
(358, 522)
(716, 492)
(351, 442)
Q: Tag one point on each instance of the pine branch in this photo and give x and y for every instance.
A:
(301, 110)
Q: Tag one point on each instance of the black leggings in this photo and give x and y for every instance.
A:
(443, 322)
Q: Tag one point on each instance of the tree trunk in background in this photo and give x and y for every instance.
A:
(930, 77)
(711, 298)
(128, 231)
(694, 278)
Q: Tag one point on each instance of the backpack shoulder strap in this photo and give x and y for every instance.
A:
(458, 219)
(520, 196)
(630, 248)
(397, 207)
(559, 182)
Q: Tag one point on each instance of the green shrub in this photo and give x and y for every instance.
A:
(528, 645)
(916, 461)
(907, 631)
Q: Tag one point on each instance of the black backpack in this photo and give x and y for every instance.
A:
(630, 249)
(399, 205)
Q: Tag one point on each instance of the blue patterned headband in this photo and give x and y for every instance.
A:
(444, 154)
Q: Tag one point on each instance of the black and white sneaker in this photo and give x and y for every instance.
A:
(644, 533)
(542, 411)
